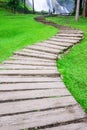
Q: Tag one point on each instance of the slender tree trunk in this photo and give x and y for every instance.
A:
(77, 10)
(85, 9)
(33, 6)
(24, 6)
(81, 6)
(75, 6)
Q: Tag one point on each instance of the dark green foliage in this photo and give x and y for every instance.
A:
(13, 4)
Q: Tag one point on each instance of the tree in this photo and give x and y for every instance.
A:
(13, 4)
(77, 10)
(85, 9)
(81, 6)
(75, 6)
(24, 5)
(33, 6)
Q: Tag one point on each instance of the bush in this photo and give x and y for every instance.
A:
(13, 4)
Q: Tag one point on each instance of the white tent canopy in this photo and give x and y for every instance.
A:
(48, 6)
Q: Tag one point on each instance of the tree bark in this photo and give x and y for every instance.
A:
(81, 1)
(24, 6)
(85, 9)
(75, 6)
(33, 6)
(77, 10)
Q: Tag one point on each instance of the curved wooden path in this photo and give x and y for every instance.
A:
(32, 94)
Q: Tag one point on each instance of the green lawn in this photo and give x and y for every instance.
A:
(17, 31)
(73, 66)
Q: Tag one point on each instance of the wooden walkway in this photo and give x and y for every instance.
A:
(32, 94)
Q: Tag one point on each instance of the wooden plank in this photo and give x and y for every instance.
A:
(64, 44)
(71, 31)
(73, 126)
(69, 35)
(35, 105)
(26, 62)
(16, 79)
(45, 44)
(68, 38)
(44, 49)
(31, 51)
(26, 67)
(28, 86)
(29, 58)
(30, 72)
(29, 94)
(64, 40)
(41, 50)
(43, 118)
(35, 55)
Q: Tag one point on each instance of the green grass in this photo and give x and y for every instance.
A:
(4, 0)
(18, 31)
(73, 66)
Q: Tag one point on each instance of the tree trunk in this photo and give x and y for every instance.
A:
(75, 6)
(85, 9)
(24, 6)
(77, 10)
(81, 1)
(33, 6)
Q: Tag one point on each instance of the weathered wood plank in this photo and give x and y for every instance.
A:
(70, 35)
(49, 73)
(24, 86)
(16, 79)
(73, 126)
(43, 118)
(45, 44)
(29, 58)
(29, 94)
(35, 105)
(26, 67)
(26, 62)
(64, 40)
(32, 51)
(43, 49)
(68, 38)
(36, 55)
(71, 31)
(64, 44)
(36, 50)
